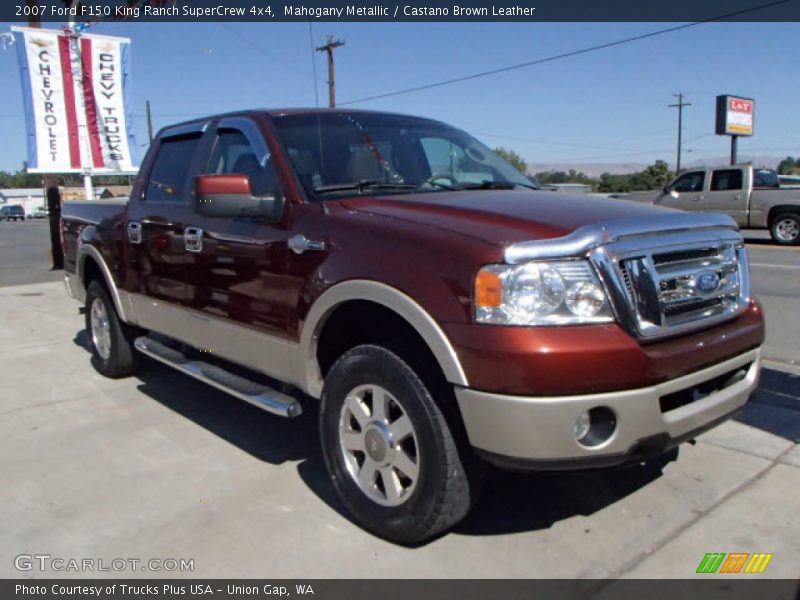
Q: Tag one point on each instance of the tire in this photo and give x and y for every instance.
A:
(785, 229)
(413, 448)
(110, 340)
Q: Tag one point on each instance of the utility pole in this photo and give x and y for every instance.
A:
(679, 106)
(34, 20)
(328, 48)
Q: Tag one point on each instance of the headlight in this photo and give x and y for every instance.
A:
(540, 293)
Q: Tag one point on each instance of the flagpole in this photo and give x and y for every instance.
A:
(77, 73)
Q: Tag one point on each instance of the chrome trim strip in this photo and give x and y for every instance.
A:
(582, 240)
(307, 368)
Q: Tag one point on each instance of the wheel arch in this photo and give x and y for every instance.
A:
(394, 301)
(778, 209)
(91, 265)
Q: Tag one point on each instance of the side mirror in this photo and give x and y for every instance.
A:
(230, 195)
(665, 189)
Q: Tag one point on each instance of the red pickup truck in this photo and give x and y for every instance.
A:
(396, 275)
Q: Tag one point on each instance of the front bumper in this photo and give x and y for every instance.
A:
(537, 432)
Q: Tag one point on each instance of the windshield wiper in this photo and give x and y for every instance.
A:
(489, 185)
(362, 186)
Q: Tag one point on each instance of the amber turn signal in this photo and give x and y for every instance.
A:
(488, 290)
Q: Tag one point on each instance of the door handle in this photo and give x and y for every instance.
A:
(699, 198)
(300, 243)
(135, 232)
(193, 239)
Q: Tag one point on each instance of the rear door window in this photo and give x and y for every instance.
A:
(726, 179)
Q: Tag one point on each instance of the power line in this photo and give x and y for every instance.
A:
(561, 56)
(258, 48)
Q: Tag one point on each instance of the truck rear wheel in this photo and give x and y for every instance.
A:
(389, 450)
(785, 229)
(110, 340)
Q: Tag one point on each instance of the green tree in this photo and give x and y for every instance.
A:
(513, 158)
(656, 175)
(789, 166)
(571, 176)
(653, 177)
(20, 179)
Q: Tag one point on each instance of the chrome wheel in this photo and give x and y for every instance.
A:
(379, 445)
(101, 329)
(787, 229)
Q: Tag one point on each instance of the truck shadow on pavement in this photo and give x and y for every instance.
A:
(775, 407)
(510, 503)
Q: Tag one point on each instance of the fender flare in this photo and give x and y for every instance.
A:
(307, 367)
(120, 298)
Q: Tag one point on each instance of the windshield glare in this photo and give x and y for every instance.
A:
(341, 148)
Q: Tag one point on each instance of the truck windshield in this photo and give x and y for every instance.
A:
(355, 153)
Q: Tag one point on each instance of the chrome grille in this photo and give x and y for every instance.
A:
(674, 287)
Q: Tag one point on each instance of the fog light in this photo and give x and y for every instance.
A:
(597, 426)
(582, 426)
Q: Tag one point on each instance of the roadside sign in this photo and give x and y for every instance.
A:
(735, 115)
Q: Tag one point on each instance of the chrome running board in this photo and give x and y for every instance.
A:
(258, 395)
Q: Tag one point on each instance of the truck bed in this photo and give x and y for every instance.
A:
(93, 211)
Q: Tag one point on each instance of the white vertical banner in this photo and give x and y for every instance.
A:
(106, 83)
(51, 128)
(76, 93)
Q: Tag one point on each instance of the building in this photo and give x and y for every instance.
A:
(31, 199)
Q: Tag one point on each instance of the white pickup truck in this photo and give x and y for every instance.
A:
(750, 195)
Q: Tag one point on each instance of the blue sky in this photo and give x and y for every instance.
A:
(608, 106)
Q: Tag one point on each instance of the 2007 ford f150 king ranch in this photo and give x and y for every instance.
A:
(443, 314)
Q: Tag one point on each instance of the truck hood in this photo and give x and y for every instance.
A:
(502, 217)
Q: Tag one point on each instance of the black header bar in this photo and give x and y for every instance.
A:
(403, 10)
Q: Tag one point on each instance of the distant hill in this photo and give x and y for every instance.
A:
(591, 169)
(597, 169)
(760, 160)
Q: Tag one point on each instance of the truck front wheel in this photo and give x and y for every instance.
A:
(389, 450)
(110, 340)
(785, 229)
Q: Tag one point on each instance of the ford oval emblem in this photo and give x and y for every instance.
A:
(706, 282)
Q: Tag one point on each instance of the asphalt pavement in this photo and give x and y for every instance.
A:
(161, 466)
(25, 252)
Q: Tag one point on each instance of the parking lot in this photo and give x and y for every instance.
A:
(159, 466)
